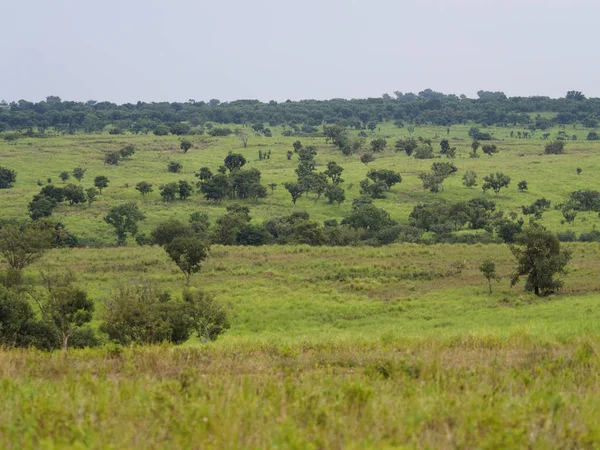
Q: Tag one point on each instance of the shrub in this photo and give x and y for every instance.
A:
(555, 148)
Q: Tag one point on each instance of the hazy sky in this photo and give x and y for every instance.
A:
(175, 50)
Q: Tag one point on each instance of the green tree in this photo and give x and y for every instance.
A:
(174, 167)
(78, 173)
(7, 178)
(234, 161)
(367, 158)
(540, 258)
(204, 174)
(185, 145)
(378, 145)
(334, 172)
(555, 148)
(335, 194)
(209, 317)
(165, 232)
(91, 194)
(67, 307)
(64, 176)
(295, 190)
(74, 194)
(488, 269)
(23, 245)
(495, 182)
(188, 254)
(169, 191)
(124, 218)
(470, 178)
(185, 189)
(143, 187)
(101, 182)
(489, 149)
(522, 185)
(112, 158)
(389, 177)
(127, 151)
(41, 207)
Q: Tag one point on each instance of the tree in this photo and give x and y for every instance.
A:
(188, 254)
(522, 185)
(593, 136)
(112, 158)
(124, 218)
(378, 145)
(474, 146)
(389, 177)
(407, 145)
(78, 173)
(334, 172)
(209, 317)
(295, 191)
(367, 158)
(7, 178)
(242, 136)
(165, 232)
(185, 145)
(185, 189)
(67, 307)
(289, 155)
(75, 194)
(555, 148)
(174, 167)
(470, 178)
(424, 151)
(64, 176)
(204, 174)
(144, 187)
(431, 182)
(488, 269)
(575, 95)
(91, 194)
(101, 182)
(540, 258)
(41, 207)
(335, 194)
(234, 161)
(297, 146)
(169, 191)
(495, 181)
(489, 149)
(23, 245)
(127, 151)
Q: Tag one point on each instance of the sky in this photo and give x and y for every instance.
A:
(150, 50)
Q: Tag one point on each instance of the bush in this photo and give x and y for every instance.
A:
(593, 136)
(423, 152)
(566, 236)
(555, 148)
(174, 167)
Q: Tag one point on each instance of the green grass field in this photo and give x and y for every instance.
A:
(330, 347)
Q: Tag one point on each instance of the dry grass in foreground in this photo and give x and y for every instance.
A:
(468, 392)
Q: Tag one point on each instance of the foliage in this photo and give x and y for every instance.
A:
(143, 187)
(124, 218)
(540, 258)
(174, 167)
(470, 178)
(7, 178)
(188, 253)
(555, 148)
(495, 181)
(23, 245)
(101, 182)
(488, 269)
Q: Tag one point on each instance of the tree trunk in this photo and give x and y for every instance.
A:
(490, 284)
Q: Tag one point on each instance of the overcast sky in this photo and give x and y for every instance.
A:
(175, 50)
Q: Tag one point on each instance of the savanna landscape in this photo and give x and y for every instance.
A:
(411, 271)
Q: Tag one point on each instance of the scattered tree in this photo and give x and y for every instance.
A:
(188, 254)
(144, 187)
(124, 218)
(185, 145)
(495, 181)
(522, 186)
(470, 178)
(78, 173)
(488, 269)
(64, 176)
(101, 182)
(540, 258)
(295, 191)
(7, 178)
(174, 167)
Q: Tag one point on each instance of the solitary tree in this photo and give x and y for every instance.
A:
(522, 185)
(495, 182)
(188, 253)
(488, 269)
(367, 158)
(64, 176)
(540, 258)
(124, 218)
(101, 182)
(185, 145)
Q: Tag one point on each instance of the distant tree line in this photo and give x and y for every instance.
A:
(426, 107)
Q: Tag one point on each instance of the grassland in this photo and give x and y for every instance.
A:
(393, 347)
(552, 177)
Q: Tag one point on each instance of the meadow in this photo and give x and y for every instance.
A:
(399, 346)
(548, 176)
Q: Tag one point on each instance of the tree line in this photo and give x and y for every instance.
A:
(181, 118)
